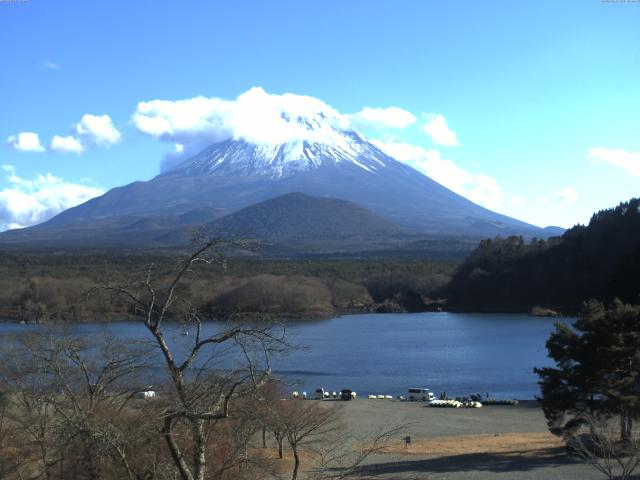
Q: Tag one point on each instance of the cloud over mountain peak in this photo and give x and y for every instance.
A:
(255, 116)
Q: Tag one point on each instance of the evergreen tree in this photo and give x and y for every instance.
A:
(597, 369)
(600, 260)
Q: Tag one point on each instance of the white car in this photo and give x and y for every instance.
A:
(146, 394)
(422, 394)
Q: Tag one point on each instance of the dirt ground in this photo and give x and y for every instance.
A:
(530, 444)
(493, 442)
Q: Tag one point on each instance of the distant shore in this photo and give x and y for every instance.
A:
(258, 317)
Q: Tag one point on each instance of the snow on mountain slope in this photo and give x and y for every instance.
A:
(281, 160)
(312, 151)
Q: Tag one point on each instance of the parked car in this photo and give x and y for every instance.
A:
(347, 394)
(424, 394)
(146, 394)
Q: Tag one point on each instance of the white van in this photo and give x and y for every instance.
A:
(423, 394)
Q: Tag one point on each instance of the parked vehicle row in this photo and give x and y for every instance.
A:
(414, 394)
(322, 394)
(454, 404)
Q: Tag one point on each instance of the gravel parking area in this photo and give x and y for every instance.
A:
(492, 442)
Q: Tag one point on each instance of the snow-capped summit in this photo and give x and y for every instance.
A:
(239, 157)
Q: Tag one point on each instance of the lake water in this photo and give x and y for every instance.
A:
(387, 353)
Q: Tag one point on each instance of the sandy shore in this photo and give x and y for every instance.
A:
(503, 442)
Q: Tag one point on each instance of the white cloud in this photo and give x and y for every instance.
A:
(477, 187)
(27, 202)
(51, 65)
(26, 142)
(390, 117)
(629, 161)
(97, 130)
(258, 117)
(404, 152)
(517, 201)
(485, 190)
(91, 130)
(255, 116)
(183, 120)
(65, 145)
(262, 118)
(566, 194)
(437, 128)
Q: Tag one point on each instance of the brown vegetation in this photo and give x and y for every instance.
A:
(270, 294)
(39, 288)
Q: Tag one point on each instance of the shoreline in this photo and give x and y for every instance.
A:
(257, 317)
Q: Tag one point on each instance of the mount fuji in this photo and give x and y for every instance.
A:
(322, 161)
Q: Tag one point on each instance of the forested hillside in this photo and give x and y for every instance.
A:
(41, 288)
(600, 260)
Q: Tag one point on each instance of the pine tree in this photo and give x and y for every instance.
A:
(597, 369)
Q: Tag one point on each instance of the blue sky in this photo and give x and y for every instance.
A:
(530, 108)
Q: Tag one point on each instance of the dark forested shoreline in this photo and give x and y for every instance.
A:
(598, 261)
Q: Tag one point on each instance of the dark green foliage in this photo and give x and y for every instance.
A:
(296, 216)
(414, 291)
(597, 368)
(600, 260)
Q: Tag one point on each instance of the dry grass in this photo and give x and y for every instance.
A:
(284, 466)
(534, 444)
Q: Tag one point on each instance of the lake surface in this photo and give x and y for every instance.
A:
(387, 353)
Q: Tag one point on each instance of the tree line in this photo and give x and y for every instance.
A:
(41, 288)
(599, 260)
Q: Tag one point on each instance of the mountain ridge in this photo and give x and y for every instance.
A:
(231, 175)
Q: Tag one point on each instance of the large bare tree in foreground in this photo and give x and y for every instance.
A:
(217, 368)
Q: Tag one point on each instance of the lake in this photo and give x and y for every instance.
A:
(387, 353)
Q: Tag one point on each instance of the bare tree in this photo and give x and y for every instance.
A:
(266, 411)
(12, 456)
(345, 455)
(306, 424)
(598, 444)
(218, 367)
(68, 399)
